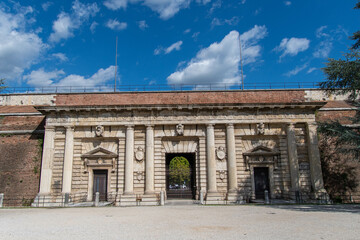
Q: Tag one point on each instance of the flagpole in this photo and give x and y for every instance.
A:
(115, 63)
(241, 64)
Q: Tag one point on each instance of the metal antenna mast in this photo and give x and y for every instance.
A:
(115, 63)
(241, 64)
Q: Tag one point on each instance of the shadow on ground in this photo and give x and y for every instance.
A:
(344, 208)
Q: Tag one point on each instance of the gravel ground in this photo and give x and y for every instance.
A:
(184, 222)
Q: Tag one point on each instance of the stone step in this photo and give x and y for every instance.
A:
(177, 202)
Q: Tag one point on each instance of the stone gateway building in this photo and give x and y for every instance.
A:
(219, 147)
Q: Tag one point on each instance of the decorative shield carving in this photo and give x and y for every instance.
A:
(139, 176)
(260, 128)
(220, 153)
(180, 130)
(99, 130)
(222, 175)
(139, 154)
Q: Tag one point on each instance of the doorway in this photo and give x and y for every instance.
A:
(180, 176)
(100, 184)
(261, 177)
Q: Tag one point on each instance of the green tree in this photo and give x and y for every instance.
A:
(339, 142)
(343, 77)
(2, 82)
(179, 171)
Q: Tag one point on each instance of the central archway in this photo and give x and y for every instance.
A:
(180, 176)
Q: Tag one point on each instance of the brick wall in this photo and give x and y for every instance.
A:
(20, 155)
(144, 98)
(20, 162)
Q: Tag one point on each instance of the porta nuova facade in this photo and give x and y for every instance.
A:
(237, 147)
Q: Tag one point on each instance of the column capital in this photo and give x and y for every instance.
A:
(229, 125)
(149, 126)
(129, 126)
(290, 125)
(210, 125)
(69, 128)
(49, 128)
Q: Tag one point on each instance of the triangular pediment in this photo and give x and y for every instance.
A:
(261, 150)
(99, 152)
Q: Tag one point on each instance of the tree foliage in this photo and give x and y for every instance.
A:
(343, 77)
(339, 142)
(179, 171)
(2, 82)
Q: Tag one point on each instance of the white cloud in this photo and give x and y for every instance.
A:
(19, 47)
(287, 3)
(215, 5)
(45, 6)
(40, 78)
(62, 57)
(323, 49)
(175, 46)
(65, 24)
(195, 35)
(219, 22)
(142, 24)
(327, 37)
(187, 31)
(219, 63)
(93, 26)
(296, 70)
(116, 25)
(116, 4)
(203, 1)
(311, 70)
(292, 46)
(165, 8)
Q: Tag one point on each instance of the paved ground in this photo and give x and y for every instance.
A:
(183, 222)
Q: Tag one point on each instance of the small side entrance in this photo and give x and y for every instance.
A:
(261, 177)
(180, 176)
(100, 184)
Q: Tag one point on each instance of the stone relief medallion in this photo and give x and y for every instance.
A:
(139, 176)
(260, 128)
(99, 130)
(220, 153)
(139, 154)
(222, 175)
(180, 130)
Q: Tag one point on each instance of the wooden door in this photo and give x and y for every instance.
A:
(261, 177)
(100, 184)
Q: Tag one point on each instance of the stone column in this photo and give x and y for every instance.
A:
(47, 160)
(129, 161)
(231, 156)
(211, 161)
(314, 158)
(293, 157)
(68, 159)
(149, 160)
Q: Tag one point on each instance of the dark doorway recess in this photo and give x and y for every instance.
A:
(261, 177)
(100, 184)
(180, 175)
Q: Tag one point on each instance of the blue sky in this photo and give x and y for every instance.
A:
(72, 43)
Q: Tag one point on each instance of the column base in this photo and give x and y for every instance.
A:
(215, 198)
(232, 197)
(126, 200)
(149, 200)
(48, 200)
(322, 197)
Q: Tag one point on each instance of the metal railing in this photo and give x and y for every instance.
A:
(159, 87)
